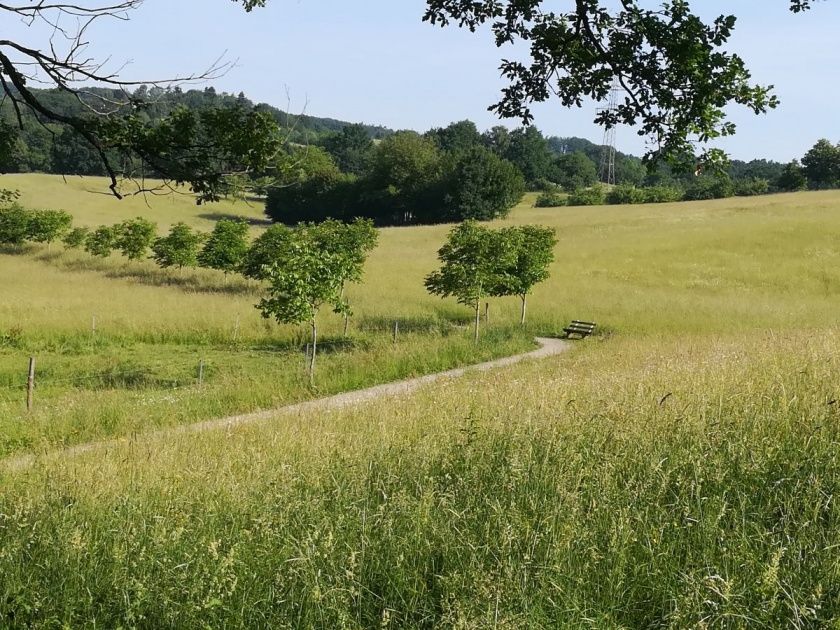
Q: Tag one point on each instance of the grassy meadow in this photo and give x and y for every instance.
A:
(678, 470)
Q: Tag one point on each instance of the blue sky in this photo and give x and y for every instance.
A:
(375, 61)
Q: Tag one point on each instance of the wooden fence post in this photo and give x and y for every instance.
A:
(30, 385)
(93, 325)
(308, 354)
(396, 331)
(201, 372)
(486, 313)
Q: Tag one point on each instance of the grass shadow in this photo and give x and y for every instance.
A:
(192, 280)
(220, 216)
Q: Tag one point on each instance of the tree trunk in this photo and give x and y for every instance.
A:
(314, 350)
(477, 318)
(524, 307)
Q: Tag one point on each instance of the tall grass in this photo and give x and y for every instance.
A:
(680, 470)
(679, 484)
(668, 269)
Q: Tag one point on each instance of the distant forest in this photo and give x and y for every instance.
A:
(333, 168)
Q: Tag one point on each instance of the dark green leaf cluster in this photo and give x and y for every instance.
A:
(671, 65)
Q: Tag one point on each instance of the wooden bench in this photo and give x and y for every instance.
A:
(579, 328)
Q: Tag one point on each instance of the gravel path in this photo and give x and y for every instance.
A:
(548, 347)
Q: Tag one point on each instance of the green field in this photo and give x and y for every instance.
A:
(678, 470)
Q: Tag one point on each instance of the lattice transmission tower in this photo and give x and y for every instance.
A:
(606, 172)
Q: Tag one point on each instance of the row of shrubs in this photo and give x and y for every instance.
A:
(224, 248)
(703, 189)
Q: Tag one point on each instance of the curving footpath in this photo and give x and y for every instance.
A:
(548, 347)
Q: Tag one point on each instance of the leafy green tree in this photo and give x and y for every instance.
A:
(314, 190)
(75, 238)
(179, 248)
(457, 137)
(406, 170)
(263, 252)
(226, 246)
(351, 148)
(574, 170)
(497, 139)
(792, 178)
(46, 226)
(480, 185)
(102, 241)
(529, 151)
(135, 237)
(72, 155)
(14, 224)
(677, 76)
(311, 265)
(821, 165)
(470, 262)
(532, 252)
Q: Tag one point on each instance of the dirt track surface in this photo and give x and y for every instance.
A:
(548, 347)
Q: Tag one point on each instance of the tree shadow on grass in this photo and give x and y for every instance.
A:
(327, 345)
(189, 280)
(219, 216)
(442, 323)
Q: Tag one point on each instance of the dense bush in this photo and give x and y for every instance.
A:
(625, 194)
(751, 187)
(662, 194)
(594, 196)
(551, 199)
(710, 187)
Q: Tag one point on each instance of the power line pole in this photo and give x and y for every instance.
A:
(606, 172)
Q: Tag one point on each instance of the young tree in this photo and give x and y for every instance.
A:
(311, 263)
(14, 224)
(46, 226)
(76, 237)
(101, 242)
(263, 252)
(532, 248)
(471, 259)
(226, 246)
(179, 248)
(134, 237)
